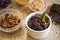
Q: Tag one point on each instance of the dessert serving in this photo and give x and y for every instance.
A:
(38, 22)
(4, 3)
(38, 5)
(55, 13)
(22, 2)
(38, 25)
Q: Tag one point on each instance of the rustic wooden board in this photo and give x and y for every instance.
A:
(21, 34)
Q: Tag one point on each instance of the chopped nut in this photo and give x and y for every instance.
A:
(9, 21)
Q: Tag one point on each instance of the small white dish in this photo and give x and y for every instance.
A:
(34, 33)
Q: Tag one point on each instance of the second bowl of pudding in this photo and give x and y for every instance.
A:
(5, 4)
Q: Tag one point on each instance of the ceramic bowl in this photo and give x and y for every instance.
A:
(34, 33)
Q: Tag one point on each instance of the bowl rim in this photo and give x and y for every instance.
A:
(32, 14)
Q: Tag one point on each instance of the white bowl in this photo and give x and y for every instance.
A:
(14, 12)
(34, 33)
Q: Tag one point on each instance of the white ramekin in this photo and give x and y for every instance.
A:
(34, 33)
(14, 12)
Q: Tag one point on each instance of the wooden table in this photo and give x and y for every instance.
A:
(21, 34)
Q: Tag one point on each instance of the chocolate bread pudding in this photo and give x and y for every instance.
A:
(36, 23)
(55, 13)
(4, 3)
